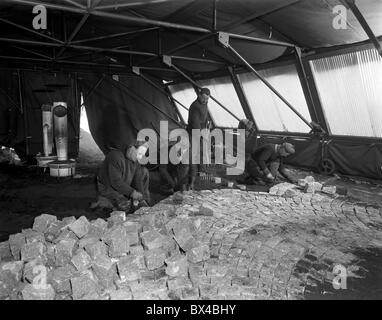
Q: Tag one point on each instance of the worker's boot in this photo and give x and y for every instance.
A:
(167, 190)
(183, 188)
(259, 182)
(191, 185)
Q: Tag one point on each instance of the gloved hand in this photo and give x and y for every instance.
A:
(135, 195)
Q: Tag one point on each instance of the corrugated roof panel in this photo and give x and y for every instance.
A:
(271, 114)
(350, 89)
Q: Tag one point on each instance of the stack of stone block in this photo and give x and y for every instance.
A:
(311, 186)
(143, 256)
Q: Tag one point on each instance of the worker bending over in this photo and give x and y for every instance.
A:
(267, 161)
(123, 183)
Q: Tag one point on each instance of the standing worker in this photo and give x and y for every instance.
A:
(198, 118)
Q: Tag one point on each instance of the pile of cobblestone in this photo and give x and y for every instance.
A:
(212, 244)
(308, 185)
(81, 259)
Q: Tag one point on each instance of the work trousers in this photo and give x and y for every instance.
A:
(174, 176)
(108, 197)
(254, 170)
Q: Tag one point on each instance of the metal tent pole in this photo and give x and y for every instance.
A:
(224, 40)
(310, 91)
(361, 19)
(141, 99)
(138, 72)
(142, 20)
(167, 60)
(241, 95)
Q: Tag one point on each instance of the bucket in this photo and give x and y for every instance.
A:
(62, 169)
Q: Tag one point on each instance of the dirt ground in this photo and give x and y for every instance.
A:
(26, 192)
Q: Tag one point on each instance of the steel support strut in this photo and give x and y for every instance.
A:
(143, 20)
(242, 98)
(224, 40)
(138, 72)
(310, 91)
(167, 60)
(361, 19)
(141, 99)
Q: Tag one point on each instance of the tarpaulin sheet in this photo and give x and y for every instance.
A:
(45, 88)
(11, 118)
(350, 158)
(357, 159)
(115, 115)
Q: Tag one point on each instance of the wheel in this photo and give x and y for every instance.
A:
(327, 166)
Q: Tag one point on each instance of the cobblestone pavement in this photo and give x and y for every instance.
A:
(266, 246)
(210, 244)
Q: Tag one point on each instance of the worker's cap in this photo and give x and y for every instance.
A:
(288, 147)
(205, 91)
(140, 143)
(245, 124)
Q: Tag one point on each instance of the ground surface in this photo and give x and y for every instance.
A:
(262, 246)
(273, 247)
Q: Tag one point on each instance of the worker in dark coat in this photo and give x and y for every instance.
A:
(123, 183)
(267, 161)
(198, 118)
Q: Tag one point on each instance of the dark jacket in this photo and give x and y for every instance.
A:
(197, 116)
(265, 155)
(118, 172)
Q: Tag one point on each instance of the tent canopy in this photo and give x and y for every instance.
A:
(119, 34)
(100, 47)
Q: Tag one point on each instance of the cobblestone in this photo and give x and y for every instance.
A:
(253, 246)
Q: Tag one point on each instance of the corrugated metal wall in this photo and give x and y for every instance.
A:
(350, 89)
(271, 114)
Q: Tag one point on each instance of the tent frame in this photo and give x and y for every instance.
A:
(301, 60)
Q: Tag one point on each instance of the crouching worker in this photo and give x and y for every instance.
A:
(123, 183)
(267, 161)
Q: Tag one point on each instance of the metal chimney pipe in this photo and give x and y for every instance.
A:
(47, 127)
(61, 130)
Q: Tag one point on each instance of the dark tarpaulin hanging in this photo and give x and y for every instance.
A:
(346, 155)
(116, 115)
(11, 117)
